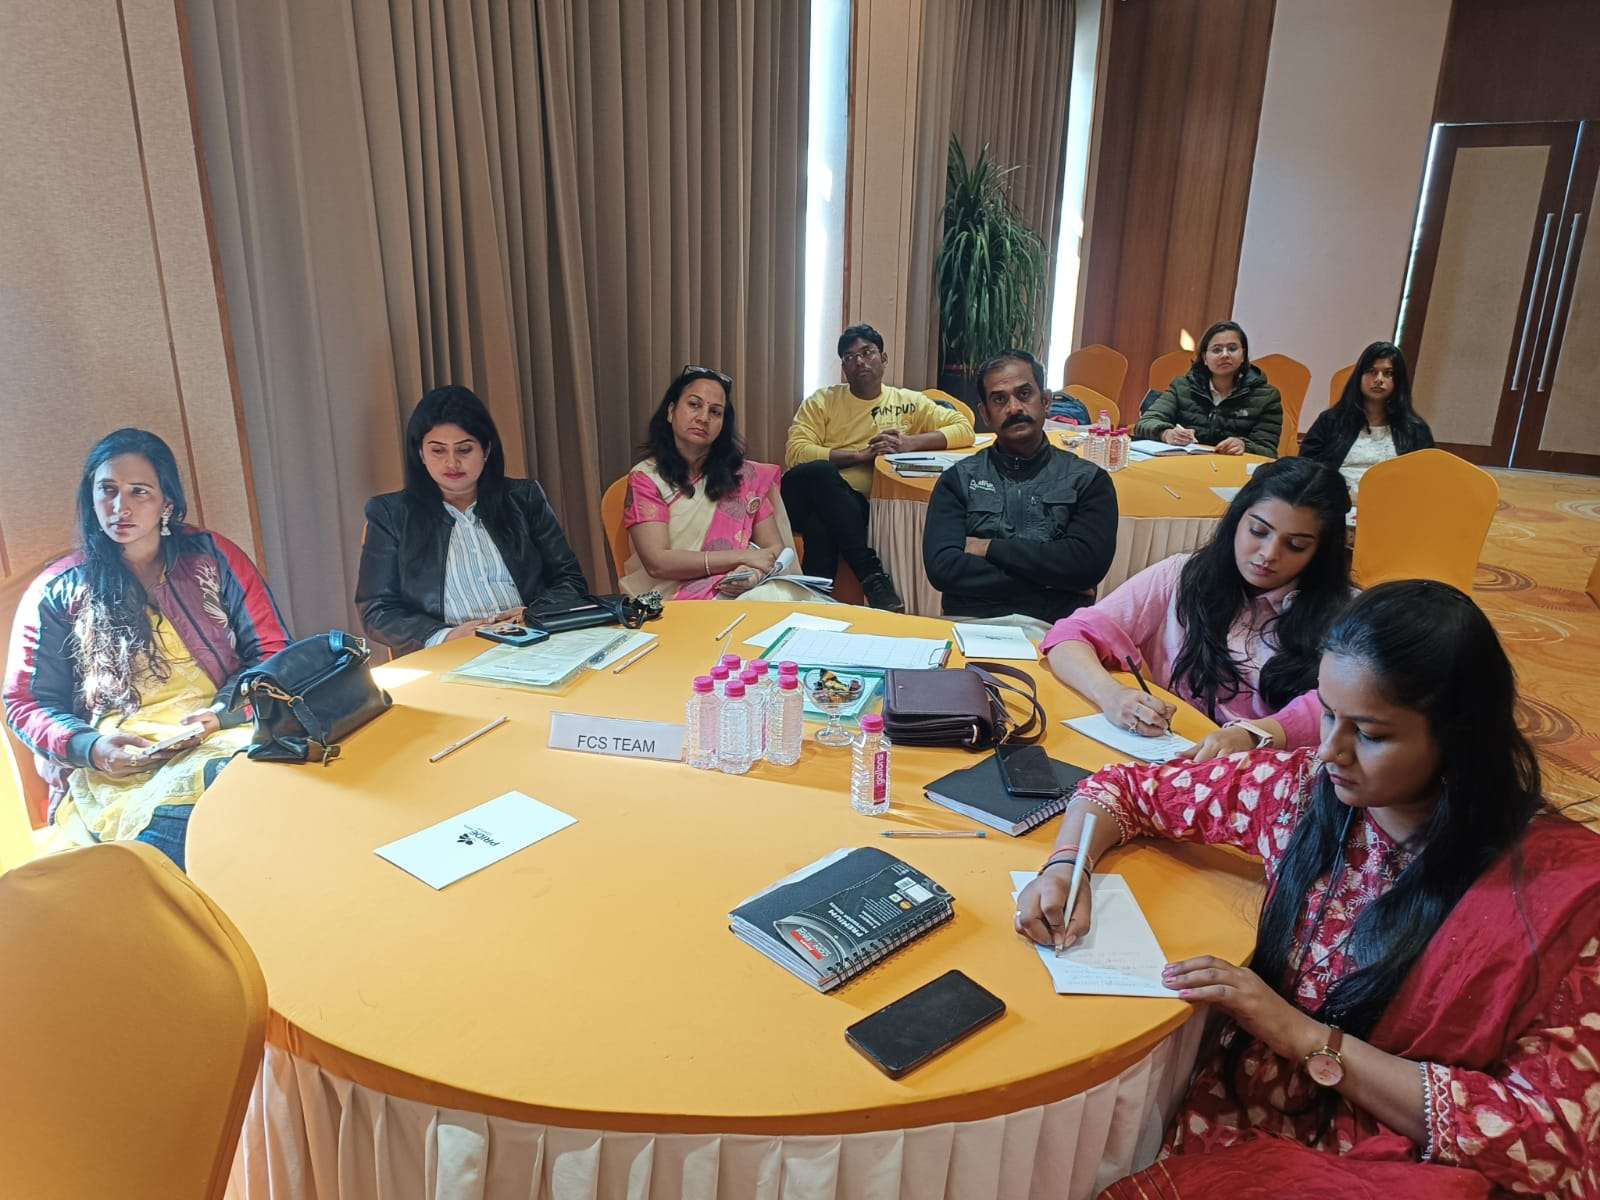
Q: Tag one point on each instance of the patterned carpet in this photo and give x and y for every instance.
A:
(1541, 548)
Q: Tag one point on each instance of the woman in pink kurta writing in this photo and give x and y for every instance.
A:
(1421, 1017)
(1233, 628)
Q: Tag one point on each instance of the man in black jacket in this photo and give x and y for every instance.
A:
(1020, 527)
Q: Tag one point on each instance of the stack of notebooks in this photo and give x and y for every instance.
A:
(830, 921)
(979, 792)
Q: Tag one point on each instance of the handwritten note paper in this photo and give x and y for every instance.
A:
(1118, 957)
(1159, 749)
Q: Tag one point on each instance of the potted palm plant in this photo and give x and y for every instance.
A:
(991, 271)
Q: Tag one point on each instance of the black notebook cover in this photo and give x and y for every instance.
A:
(980, 793)
(841, 918)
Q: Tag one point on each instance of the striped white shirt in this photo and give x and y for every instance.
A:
(476, 582)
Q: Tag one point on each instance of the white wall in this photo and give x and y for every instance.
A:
(1339, 159)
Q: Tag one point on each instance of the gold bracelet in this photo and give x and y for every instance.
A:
(705, 560)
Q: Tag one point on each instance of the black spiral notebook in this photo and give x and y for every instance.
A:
(830, 921)
(979, 792)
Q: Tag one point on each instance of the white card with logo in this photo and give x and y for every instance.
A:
(455, 848)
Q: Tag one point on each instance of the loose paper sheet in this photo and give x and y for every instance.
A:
(1159, 749)
(1226, 494)
(994, 641)
(1119, 956)
(797, 620)
(455, 848)
(637, 640)
(820, 648)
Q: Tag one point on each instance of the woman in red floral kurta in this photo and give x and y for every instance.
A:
(1482, 1059)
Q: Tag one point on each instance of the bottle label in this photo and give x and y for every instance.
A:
(880, 777)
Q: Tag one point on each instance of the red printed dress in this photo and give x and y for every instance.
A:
(1529, 1124)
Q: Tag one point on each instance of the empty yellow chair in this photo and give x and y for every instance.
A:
(617, 540)
(132, 1021)
(1292, 378)
(1424, 515)
(1095, 401)
(1336, 384)
(1168, 367)
(961, 406)
(1098, 367)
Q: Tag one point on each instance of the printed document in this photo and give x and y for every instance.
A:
(994, 641)
(797, 620)
(455, 848)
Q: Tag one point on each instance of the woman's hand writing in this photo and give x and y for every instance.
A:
(1131, 709)
(1041, 908)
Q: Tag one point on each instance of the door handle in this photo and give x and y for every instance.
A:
(1561, 294)
(1534, 293)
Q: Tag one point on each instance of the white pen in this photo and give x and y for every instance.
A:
(1084, 836)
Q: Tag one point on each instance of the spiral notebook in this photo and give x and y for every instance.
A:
(979, 792)
(830, 921)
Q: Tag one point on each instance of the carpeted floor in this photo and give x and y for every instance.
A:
(1540, 550)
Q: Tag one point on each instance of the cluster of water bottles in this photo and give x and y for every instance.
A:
(739, 715)
(1106, 447)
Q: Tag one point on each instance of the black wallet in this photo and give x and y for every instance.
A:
(906, 1033)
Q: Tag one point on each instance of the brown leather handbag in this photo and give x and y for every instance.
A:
(963, 706)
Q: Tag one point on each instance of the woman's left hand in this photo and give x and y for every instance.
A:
(1230, 446)
(737, 583)
(1244, 996)
(205, 718)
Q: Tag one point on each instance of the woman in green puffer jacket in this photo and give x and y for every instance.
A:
(1224, 401)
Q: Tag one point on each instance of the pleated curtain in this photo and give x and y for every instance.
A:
(556, 204)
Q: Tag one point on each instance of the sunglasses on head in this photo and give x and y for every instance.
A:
(707, 373)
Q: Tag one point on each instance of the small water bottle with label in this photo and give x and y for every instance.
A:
(700, 724)
(869, 768)
(786, 719)
(1097, 449)
(734, 731)
(1103, 422)
(1117, 450)
(756, 697)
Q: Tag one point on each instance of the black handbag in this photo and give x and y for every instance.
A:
(310, 696)
(960, 707)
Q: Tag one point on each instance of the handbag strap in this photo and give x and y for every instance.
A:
(1033, 728)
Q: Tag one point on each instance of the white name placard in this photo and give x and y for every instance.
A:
(613, 735)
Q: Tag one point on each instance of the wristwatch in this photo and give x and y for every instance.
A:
(1325, 1065)
(1263, 738)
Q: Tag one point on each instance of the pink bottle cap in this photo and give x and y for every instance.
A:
(704, 683)
(761, 665)
(788, 683)
(788, 668)
(749, 677)
(731, 661)
(719, 672)
(872, 723)
(735, 689)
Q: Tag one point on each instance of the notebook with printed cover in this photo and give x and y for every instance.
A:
(978, 792)
(830, 921)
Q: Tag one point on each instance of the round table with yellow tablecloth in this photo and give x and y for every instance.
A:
(577, 1020)
(1165, 506)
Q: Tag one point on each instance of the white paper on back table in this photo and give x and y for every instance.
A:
(821, 648)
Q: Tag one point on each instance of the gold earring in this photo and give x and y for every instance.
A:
(166, 523)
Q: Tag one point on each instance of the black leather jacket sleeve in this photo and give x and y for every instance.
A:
(562, 575)
(388, 614)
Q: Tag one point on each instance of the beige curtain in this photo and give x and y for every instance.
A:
(996, 72)
(555, 203)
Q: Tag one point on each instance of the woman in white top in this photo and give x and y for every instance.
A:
(1373, 420)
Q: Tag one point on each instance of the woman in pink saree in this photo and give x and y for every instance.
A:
(704, 522)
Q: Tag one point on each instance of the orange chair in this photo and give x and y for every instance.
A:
(1168, 367)
(1424, 515)
(617, 540)
(132, 1022)
(1292, 379)
(21, 779)
(1336, 384)
(1095, 402)
(961, 406)
(1098, 367)
(1593, 586)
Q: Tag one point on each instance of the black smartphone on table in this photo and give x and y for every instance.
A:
(906, 1033)
(1027, 772)
(509, 633)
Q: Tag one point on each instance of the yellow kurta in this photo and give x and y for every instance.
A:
(120, 809)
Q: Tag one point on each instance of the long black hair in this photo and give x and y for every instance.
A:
(1199, 363)
(1211, 591)
(456, 405)
(1350, 413)
(112, 635)
(724, 460)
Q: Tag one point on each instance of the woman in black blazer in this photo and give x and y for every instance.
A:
(1373, 420)
(462, 545)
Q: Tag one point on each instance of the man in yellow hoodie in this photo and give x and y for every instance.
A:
(837, 434)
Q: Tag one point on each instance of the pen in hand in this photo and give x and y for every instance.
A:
(1078, 872)
(1143, 686)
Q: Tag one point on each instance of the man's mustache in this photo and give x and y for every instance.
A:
(1018, 419)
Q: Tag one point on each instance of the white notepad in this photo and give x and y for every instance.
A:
(480, 837)
(1159, 749)
(1119, 956)
(994, 641)
(1158, 449)
(797, 620)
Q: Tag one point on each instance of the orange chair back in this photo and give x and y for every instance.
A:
(1336, 384)
(1292, 378)
(1593, 586)
(961, 406)
(1424, 515)
(1095, 401)
(1098, 367)
(1168, 367)
(19, 782)
(132, 1022)
(617, 540)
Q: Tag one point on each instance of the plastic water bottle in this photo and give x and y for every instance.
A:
(701, 718)
(1097, 451)
(756, 697)
(766, 685)
(786, 718)
(1117, 450)
(733, 663)
(734, 732)
(869, 768)
(1103, 422)
(788, 668)
(719, 677)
